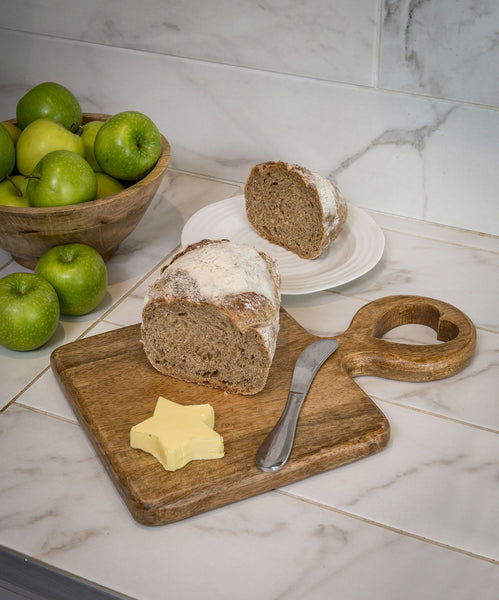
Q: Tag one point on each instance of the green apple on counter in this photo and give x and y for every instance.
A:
(88, 133)
(13, 191)
(61, 178)
(50, 100)
(13, 130)
(29, 311)
(107, 185)
(7, 153)
(128, 145)
(41, 137)
(78, 274)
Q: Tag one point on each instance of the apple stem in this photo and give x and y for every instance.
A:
(18, 191)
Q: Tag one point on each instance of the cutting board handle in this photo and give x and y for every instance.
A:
(362, 350)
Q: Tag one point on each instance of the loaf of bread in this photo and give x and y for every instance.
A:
(212, 316)
(293, 207)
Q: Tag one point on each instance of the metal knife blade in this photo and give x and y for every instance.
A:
(276, 448)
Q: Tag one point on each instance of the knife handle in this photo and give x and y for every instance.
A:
(276, 448)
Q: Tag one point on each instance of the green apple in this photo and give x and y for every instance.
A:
(13, 191)
(128, 145)
(13, 130)
(51, 100)
(7, 153)
(29, 311)
(107, 185)
(78, 274)
(41, 137)
(89, 131)
(60, 178)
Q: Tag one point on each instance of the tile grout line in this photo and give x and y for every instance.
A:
(388, 527)
(12, 401)
(436, 415)
(443, 241)
(6, 264)
(378, 42)
(214, 64)
(45, 413)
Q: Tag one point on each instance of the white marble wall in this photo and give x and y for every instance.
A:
(395, 100)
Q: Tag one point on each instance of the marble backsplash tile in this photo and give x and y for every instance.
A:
(442, 48)
(328, 40)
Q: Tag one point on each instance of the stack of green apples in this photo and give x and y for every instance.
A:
(48, 158)
(70, 279)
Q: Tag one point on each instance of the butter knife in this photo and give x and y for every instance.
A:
(276, 448)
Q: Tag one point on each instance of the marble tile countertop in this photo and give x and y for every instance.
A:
(418, 519)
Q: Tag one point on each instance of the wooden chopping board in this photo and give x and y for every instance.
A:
(112, 386)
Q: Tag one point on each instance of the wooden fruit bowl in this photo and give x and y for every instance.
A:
(28, 232)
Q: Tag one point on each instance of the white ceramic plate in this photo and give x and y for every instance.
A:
(355, 251)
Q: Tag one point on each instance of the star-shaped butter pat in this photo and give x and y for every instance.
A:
(177, 434)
